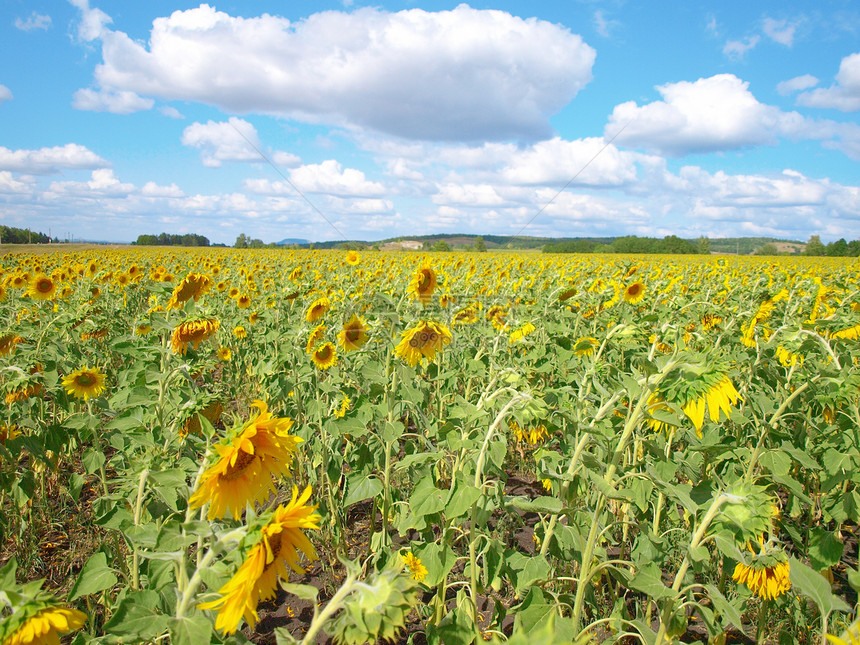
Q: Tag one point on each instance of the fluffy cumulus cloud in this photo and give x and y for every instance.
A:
(231, 140)
(463, 74)
(34, 21)
(327, 178)
(5, 93)
(708, 115)
(45, 161)
(844, 94)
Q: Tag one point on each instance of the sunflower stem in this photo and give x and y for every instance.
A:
(138, 511)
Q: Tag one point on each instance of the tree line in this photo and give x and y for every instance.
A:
(12, 235)
(171, 239)
(838, 249)
(671, 244)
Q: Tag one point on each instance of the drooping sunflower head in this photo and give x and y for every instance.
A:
(422, 342)
(423, 284)
(317, 309)
(194, 285)
(634, 293)
(85, 383)
(518, 335)
(315, 336)
(44, 626)
(766, 573)
(353, 335)
(42, 287)
(8, 342)
(192, 332)
(585, 346)
(324, 356)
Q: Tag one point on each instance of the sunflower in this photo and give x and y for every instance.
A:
(585, 346)
(260, 450)
(225, 354)
(8, 342)
(193, 285)
(352, 258)
(192, 332)
(634, 293)
(324, 356)
(46, 626)
(315, 336)
(8, 432)
(42, 287)
(24, 393)
(317, 309)
(422, 341)
(768, 574)
(142, 329)
(85, 383)
(498, 316)
(240, 332)
(520, 334)
(416, 570)
(466, 316)
(423, 284)
(280, 542)
(353, 335)
(719, 395)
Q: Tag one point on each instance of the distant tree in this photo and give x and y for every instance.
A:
(854, 248)
(704, 246)
(256, 244)
(837, 249)
(480, 247)
(674, 244)
(241, 242)
(814, 246)
(441, 245)
(767, 249)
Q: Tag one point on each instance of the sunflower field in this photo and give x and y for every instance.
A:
(231, 446)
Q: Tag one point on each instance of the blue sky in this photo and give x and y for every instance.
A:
(408, 118)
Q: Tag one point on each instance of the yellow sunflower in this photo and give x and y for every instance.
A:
(315, 336)
(240, 332)
(768, 573)
(8, 342)
(192, 332)
(423, 284)
(634, 292)
(317, 309)
(416, 570)
(422, 342)
(193, 285)
(257, 579)
(721, 395)
(225, 354)
(585, 346)
(520, 334)
(260, 450)
(85, 383)
(324, 356)
(352, 258)
(46, 626)
(42, 287)
(353, 335)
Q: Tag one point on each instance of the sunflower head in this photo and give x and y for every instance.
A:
(85, 383)
(42, 287)
(317, 309)
(352, 258)
(423, 284)
(324, 356)
(353, 335)
(634, 292)
(192, 332)
(422, 342)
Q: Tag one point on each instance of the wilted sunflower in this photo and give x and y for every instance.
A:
(767, 575)
(423, 284)
(192, 332)
(498, 317)
(257, 579)
(193, 285)
(46, 626)
(8, 342)
(720, 394)
(353, 335)
(467, 316)
(585, 346)
(520, 334)
(85, 383)
(260, 450)
(634, 292)
(324, 356)
(42, 287)
(317, 309)
(315, 336)
(422, 341)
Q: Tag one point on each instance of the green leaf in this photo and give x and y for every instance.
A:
(542, 504)
(731, 613)
(305, 592)
(190, 630)
(812, 584)
(95, 576)
(136, 618)
(825, 549)
(76, 485)
(92, 460)
(360, 487)
(426, 498)
(463, 495)
(536, 610)
(648, 580)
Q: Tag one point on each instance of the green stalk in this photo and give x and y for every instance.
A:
(138, 511)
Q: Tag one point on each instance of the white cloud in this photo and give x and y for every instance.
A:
(286, 159)
(93, 21)
(231, 140)
(10, 184)
(5, 93)
(779, 31)
(737, 49)
(151, 189)
(603, 25)
(171, 112)
(843, 95)
(468, 195)
(118, 102)
(710, 114)
(796, 84)
(103, 183)
(328, 178)
(50, 160)
(464, 74)
(35, 21)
